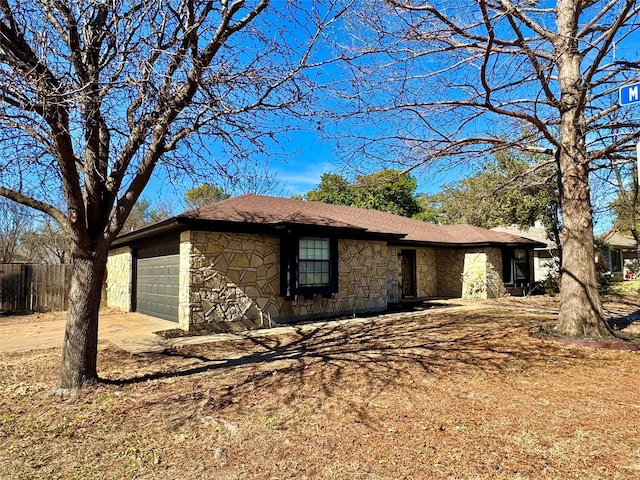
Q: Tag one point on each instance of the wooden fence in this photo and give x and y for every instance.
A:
(34, 288)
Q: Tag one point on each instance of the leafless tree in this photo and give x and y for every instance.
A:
(96, 95)
(456, 81)
(46, 243)
(15, 222)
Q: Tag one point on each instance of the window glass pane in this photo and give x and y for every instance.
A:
(616, 260)
(313, 262)
(314, 248)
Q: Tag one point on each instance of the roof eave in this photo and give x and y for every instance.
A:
(426, 243)
(166, 226)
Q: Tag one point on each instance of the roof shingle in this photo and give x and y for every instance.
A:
(265, 210)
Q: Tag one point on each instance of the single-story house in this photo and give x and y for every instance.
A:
(256, 260)
(617, 254)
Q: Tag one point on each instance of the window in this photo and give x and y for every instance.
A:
(309, 266)
(313, 262)
(616, 260)
(515, 266)
(545, 259)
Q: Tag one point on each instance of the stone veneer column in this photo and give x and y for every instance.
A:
(480, 279)
(184, 282)
(426, 275)
(474, 276)
(119, 278)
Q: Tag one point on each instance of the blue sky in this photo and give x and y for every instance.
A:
(302, 157)
(308, 155)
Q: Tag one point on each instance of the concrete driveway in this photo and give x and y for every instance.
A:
(130, 331)
(133, 332)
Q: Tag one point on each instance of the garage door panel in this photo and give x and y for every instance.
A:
(157, 276)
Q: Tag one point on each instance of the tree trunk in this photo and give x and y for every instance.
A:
(78, 367)
(581, 313)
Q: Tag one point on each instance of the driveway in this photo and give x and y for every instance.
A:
(134, 332)
(130, 331)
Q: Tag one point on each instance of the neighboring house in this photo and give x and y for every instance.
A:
(616, 255)
(545, 256)
(253, 260)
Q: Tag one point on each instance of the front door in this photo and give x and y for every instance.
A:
(408, 273)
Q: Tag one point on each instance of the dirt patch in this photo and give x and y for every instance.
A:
(22, 318)
(10, 318)
(452, 394)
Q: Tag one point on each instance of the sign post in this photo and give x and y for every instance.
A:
(638, 162)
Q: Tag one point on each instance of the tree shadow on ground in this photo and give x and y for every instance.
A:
(371, 356)
(622, 317)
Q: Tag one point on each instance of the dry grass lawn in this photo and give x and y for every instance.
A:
(444, 395)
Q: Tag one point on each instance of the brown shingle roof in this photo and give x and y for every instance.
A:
(264, 210)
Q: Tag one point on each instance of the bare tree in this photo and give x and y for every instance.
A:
(46, 243)
(455, 80)
(96, 95)
(15, 222)
(145, 212)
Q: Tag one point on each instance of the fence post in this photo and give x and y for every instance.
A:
(31, 296)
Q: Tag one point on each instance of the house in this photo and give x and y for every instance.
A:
(253, 260)
(617, 254)
(545, 256)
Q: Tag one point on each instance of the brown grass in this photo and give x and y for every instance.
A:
(466, 395)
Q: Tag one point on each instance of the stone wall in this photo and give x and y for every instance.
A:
(470, 273)
(228, 281)
(495, 283)
(184, 281)
(367, 270)
(394, 275)
(234, 281)
(481, 279)
(119, 278)
(449, 268)
(426, 274)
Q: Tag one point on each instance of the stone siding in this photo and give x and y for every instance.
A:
(495, 283)
(119, 278)
(470, 273)
(449, 268)
(365, 269)
(480, 279)
(394, 275)
(184, 281)
(426, 275)
(234, 281)
(229, 281)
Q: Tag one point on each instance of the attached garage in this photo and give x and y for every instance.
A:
(157, 273)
